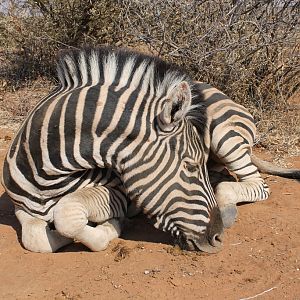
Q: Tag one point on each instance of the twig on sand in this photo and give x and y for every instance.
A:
(266, 291)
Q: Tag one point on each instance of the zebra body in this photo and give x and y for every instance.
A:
(120, 126)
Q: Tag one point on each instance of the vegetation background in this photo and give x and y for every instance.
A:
(248, 49)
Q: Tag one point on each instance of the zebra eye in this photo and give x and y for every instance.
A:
(190, 167)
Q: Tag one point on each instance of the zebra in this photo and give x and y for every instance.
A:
(120, 127)
(229, 137)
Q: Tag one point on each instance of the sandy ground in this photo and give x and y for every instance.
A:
(260, 258)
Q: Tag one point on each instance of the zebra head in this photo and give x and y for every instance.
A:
(170, 182)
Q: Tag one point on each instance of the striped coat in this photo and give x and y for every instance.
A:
(125, 121)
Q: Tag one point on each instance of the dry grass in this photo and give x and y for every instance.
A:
(20, 101)
(248, 49)
(279, 133)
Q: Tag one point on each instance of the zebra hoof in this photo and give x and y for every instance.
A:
(228, 215)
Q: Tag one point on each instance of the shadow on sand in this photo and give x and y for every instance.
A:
(7, 215)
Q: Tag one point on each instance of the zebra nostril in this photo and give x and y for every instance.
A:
(216, 240)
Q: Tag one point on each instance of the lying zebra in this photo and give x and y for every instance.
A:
(69, 161)
(114, 110)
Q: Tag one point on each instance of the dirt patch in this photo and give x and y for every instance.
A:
(261, 256)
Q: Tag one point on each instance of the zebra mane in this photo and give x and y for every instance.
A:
(197, 111)
(92, 66)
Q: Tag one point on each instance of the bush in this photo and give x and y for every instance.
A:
(248, 49)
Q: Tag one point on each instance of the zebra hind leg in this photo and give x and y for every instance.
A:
(36, 234)
(73, 211)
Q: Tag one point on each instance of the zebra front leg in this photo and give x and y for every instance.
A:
(36, 234)
(97, 238)
(228, 194)
(225, 193)
(249, 188)
(97, 204)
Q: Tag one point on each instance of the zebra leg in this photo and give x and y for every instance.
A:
(250, 188)
(36, 234)
(73, 211)
(228, 194)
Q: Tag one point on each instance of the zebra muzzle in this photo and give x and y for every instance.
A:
(212, 240)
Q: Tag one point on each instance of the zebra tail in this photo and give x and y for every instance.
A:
(269, 168)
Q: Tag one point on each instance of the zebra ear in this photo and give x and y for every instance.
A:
(178, 102)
